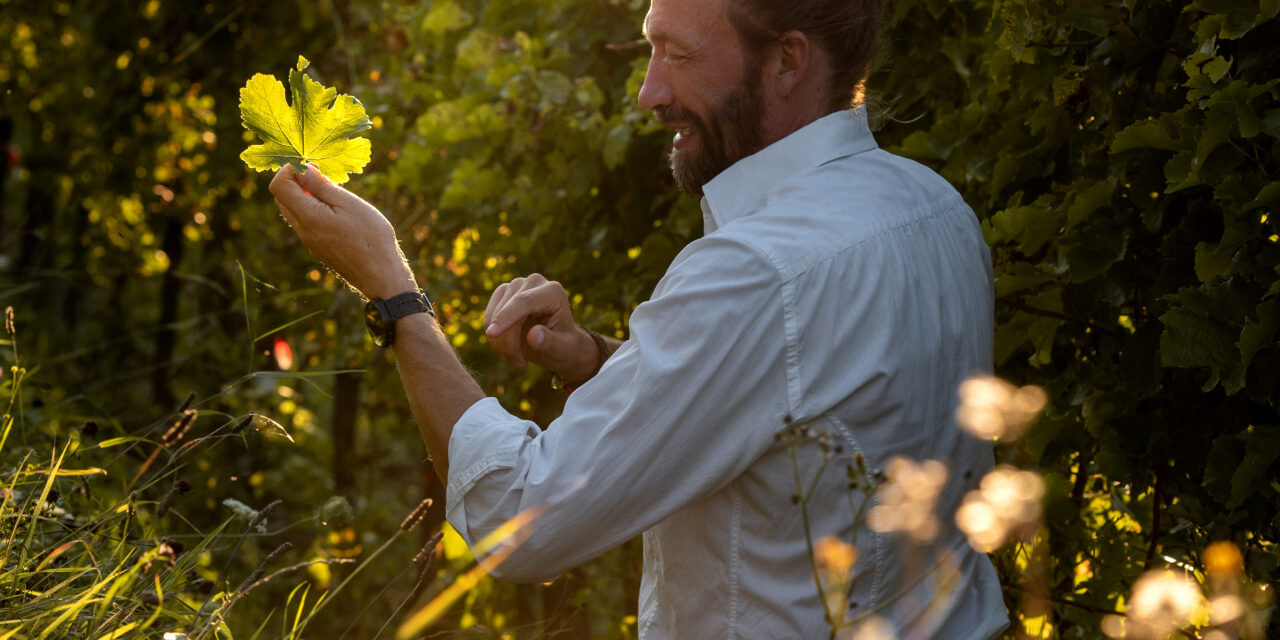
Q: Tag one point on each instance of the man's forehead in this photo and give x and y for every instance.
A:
(683, 19)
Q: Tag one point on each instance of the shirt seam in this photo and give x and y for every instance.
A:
(467, 479)
(912, 217)
(790, 332)
(791, 350)
(878, 566)
(787, 278)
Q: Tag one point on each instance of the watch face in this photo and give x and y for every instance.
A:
(378, 328)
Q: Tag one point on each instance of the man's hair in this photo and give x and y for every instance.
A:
(847, 30)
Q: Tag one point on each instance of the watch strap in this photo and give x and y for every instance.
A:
(381, 315)
(404, 304)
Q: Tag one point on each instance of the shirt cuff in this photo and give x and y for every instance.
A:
(485, 439)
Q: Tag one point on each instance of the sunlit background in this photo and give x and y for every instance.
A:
(1121, 155)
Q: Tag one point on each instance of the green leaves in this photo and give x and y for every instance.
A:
(318, 127)
(1146, 134)
(1124, 160)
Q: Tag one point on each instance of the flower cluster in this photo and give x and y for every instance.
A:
(906, 502)
(1006, 500)
(245, 512)
(834, 559)
(991, 408)
(1163, 602)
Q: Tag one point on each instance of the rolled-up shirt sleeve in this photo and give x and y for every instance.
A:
(680, 410)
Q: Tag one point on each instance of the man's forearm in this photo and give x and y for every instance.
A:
(353, 238)
(439, 387)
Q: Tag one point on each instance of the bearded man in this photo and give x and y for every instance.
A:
(837, 300)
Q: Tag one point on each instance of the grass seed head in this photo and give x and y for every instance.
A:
(179, 428)
(179, 487)
(257, 573)
(428, 548)
(169, 549)
(416, 515)
(261, 518)
(186, 404)
(242, 423)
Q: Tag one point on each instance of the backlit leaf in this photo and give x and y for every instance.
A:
(318, 127)
(1217, 68)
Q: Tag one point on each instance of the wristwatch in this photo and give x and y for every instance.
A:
(380, 315)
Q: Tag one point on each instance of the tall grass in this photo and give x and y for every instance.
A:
(97, 541)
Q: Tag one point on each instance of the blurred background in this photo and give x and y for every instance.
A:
(1124, 157)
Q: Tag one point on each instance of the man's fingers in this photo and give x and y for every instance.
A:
(508, 345)
(283, 181)
(290, 195)
(287, 213)
(502, 317)
(506, 340)
(316, 184)
(326, 191)
(539, 301)
(526, 320)
(310, 193)
(499, 296)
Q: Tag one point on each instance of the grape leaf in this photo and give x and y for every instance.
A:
(319, 127)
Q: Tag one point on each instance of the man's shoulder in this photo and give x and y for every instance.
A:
(841, 204)
(875, 182)
(724, 254)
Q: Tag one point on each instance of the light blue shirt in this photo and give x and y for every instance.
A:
(839, 288)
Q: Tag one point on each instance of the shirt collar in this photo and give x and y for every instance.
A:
(741, 189)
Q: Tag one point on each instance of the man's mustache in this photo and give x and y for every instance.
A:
(672, 116)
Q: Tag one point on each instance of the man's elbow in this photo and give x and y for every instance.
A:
(525, 563)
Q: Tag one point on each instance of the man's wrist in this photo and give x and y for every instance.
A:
(386, 288)
(594, 344)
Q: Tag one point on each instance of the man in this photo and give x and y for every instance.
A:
(839, 292)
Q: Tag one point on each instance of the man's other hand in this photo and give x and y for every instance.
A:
(528, 320)
(343, 231)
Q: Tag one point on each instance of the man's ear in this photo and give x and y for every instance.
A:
(792, 56)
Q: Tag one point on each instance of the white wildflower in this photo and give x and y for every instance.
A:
(245, 512)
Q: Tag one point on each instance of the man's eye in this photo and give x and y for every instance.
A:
(671, 57)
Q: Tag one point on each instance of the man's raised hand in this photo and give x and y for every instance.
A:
(343, 231)
(528, 320)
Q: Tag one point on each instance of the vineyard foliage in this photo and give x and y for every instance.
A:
(1122, 155)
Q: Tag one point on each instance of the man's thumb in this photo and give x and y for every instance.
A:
(546, 342)
(318, 185)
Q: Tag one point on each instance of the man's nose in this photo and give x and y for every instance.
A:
(656, 91)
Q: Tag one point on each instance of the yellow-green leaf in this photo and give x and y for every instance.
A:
(319, 126)
(91, 471)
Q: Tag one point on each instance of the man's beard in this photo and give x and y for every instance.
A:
(735, 132)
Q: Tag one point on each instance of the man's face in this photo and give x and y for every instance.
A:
(699, 84)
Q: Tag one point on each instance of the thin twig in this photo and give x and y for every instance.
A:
(1059, 316)
(199, 42)
(294, 567)
(1071, 603)
(1157, 499)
